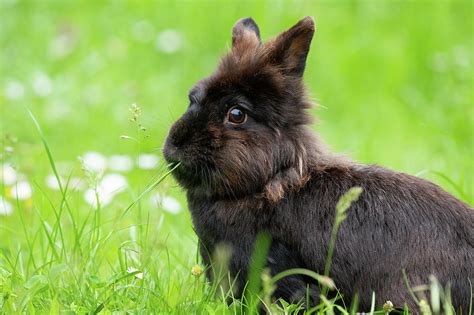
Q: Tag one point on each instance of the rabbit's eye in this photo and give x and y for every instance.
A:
(236, 115)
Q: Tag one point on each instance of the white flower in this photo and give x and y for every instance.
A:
(169, 41)
(148, 161)
(121, 163)
(143, 31)
(113, 183)
(138, 275)
(91, 198)
(76, 183)
(155, 199)
(42, 84)
(5, 207)
(52, 182)
(57, 110)
(133, 233)
(22, 190)
(171, 205)
(167, 203)
(94, 161)
(63, 44)
(14, 90)
(9, 175)
(108, 187)
(388, 307)
(197, 270)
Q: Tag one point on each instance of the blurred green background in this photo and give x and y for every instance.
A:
(394, 80)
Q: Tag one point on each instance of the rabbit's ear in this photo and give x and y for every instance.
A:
(290, 49)
(246, 32)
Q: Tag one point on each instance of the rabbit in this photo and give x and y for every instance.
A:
(249, 163)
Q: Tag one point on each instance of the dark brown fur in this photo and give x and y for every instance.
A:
(273, 174)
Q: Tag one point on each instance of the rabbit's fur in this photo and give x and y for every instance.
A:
(271, 173)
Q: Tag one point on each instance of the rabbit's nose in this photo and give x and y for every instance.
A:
(178, 133)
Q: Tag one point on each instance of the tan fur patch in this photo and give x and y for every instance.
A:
(274, 191)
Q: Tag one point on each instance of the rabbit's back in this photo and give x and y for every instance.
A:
(400, 222)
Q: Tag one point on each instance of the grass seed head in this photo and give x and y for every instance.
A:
(135, 112)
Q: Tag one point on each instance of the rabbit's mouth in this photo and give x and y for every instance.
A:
(193, 176)
(189, 170)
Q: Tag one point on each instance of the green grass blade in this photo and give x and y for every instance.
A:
(149, 188)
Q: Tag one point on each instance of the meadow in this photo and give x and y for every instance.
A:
(89, 221)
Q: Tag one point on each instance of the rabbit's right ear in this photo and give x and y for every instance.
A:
(246, 33)
(290, 49)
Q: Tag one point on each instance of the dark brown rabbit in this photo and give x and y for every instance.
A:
(250, 163)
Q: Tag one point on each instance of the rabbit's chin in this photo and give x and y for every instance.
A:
(194, 177)
(207, 181)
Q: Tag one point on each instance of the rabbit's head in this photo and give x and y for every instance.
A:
(244, 130)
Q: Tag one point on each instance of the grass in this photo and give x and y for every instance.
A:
(394, 80)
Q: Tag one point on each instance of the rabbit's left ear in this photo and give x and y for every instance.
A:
(290, 49)
(245, 32)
